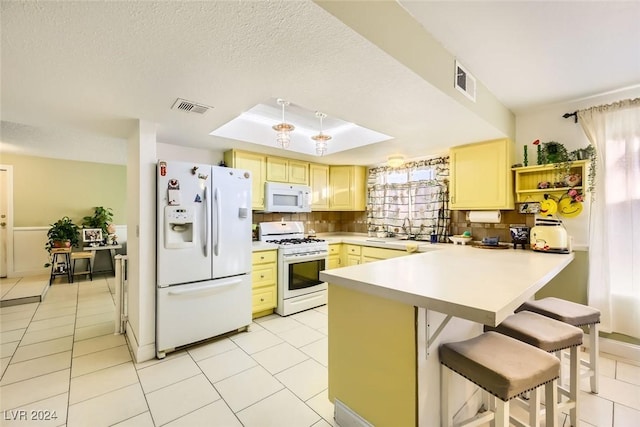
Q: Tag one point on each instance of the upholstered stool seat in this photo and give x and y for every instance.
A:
(504, 367)
(88, 256)
(551, 336)
(577, 315)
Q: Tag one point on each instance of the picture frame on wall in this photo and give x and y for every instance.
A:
(529, 208)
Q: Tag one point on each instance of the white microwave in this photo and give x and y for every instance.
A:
(282, 197)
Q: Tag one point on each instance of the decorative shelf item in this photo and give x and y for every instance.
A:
(533, 182)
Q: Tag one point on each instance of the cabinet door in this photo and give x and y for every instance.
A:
(481, 176)
(298, 172)
(319, 180)
(353, 260)
(347, 188)
(256, 164)
(277, 169)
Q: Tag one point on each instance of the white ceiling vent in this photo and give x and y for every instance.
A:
(465, 82)
(189, 106)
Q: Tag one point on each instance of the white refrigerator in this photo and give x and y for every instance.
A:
(203, 253)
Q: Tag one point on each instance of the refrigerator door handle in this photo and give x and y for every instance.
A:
(196, 290)
(216, 246)
(207, 221)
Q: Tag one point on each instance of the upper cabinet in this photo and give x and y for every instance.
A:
(319, 182)
(533, 182)
(481, 176)
(347, 191)
(257, 165)
(287, 170)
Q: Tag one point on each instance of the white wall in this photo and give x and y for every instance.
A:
(547, 124)
(176, 153)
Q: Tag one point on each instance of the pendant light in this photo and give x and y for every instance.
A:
(321, 139)
(284, 129)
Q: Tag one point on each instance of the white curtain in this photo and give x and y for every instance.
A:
(413, 196)
(614, 229)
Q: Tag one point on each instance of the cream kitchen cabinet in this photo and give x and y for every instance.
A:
(319, 182)
(347, 188)
(264, 290)
(335, 260)
(287, 170)
(257, 165)
(481, 175)
(371, 254)
(352, 254)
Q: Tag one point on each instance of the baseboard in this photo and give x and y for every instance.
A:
(346, 417)
(140, 353)
(616, 348)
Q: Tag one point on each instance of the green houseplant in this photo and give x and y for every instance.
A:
(62, 234)
(101, 219)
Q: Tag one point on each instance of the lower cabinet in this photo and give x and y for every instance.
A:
(264, 287)
(370, 254)
(353, 254)
(335, 260)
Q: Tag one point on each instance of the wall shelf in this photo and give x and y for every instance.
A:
(527, 179)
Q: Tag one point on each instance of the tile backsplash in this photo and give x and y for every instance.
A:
(356, 222)
(460, 224)
(321, 222)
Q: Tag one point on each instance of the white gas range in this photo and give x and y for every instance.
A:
(300, 261)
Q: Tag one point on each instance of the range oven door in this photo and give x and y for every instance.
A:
(301, 274)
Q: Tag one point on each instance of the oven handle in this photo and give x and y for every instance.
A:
(293, 258)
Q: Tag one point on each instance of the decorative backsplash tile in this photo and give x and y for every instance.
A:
(321, 222)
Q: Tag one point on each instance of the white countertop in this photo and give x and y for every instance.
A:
(262, 246)
(481, 285)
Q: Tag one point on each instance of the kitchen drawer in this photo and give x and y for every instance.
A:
(263, 299)
(263, 275)
(334, 249)
(354, 250)
(264, 257)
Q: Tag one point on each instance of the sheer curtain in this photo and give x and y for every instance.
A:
(415, 195)
(614, 228)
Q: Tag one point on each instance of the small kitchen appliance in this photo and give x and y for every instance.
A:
(203, 254)
(283, 197)
(549, 235)
(300, 261)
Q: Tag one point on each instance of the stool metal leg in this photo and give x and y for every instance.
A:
(593, 356)
(502, 413)
(551, 399)
(446, 418)
(574, 386)
(534, 407)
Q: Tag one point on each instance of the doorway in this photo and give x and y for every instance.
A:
(6, 219)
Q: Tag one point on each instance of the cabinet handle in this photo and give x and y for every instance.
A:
(262, 276)
(261, 257)
(261, 299)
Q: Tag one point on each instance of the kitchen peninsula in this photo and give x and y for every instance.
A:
(387, 318)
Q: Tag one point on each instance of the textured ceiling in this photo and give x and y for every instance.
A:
(76, 75)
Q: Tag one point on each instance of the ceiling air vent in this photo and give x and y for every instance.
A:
(189, 106)
(465, 82)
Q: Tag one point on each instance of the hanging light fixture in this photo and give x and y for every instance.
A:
(395, 161)
(284, 129)
(321, 139)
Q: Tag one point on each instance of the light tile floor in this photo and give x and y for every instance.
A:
(60, 357)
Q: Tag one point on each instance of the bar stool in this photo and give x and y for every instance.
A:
(64, 266)
(504, 367)
(577, 315)
(81, 255)
(551, 336)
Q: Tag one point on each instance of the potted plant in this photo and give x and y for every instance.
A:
(101, 218)
(62, 234)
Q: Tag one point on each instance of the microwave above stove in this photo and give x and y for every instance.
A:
(282, 197)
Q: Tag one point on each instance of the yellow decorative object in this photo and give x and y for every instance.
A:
(568, 208)
(548, 207)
